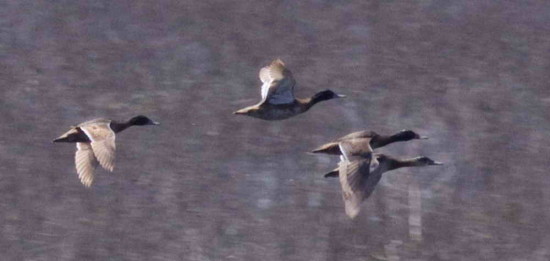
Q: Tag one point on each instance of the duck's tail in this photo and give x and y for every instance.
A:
(61, 139)
(68, 136)
(329, 148)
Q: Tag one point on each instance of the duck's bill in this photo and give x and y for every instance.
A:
(423, 137)
(437, 163)
(155, 123)
(341, 96)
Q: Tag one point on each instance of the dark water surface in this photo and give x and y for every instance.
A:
(208, 185)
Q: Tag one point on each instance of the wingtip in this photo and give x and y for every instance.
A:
(278, 61)
(352, 213)
(86, 183)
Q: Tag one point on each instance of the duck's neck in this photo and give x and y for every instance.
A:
(318, 97)
(404, 163)
(120, 126)
(383, 140)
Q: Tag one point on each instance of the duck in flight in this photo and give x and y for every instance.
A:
(368, 138)
(95, 144)
(278, 101)
(359, 176)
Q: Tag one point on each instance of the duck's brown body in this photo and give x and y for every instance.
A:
(367, 138)
(271, 112)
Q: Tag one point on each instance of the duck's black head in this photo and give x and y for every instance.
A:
(425, 161)
(409, 135)
(325, 95)
(142, 120)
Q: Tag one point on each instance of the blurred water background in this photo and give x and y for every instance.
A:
(208, 185)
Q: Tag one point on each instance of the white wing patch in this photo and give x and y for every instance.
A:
(344, 156)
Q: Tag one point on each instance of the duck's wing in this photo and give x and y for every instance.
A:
(103, 143)
(357, 149)
(353, 179)
(85, 163)
(277, 83)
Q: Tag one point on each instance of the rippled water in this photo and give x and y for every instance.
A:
(208, 185)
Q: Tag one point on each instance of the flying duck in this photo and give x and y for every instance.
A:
(370, 138)
(358, 177)
(278, 101)
(95, 143)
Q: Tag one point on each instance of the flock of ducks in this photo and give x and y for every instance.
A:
(359, 169)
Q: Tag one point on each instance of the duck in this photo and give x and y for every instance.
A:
(359, 176)
(370, 138)
(278, 101)
(95, 144)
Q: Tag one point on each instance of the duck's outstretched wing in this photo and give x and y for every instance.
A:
(277, 83)
(358, 181)
(356, 165)
(103, 143)
(353, 176)
(85, 163)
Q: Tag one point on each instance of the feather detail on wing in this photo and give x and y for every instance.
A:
(103, 144)
(356, 167)
(277, 83)
(85, 163)
(353, 176)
